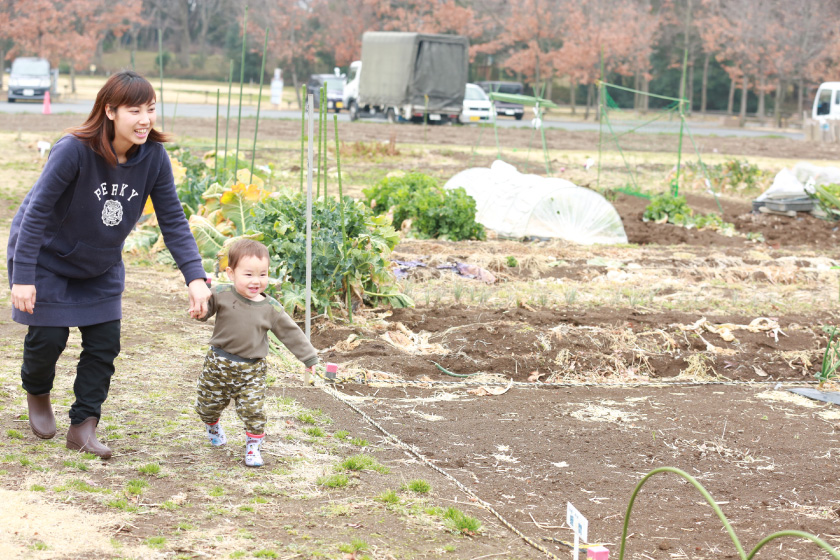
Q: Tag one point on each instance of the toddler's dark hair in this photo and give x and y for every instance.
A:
(245, 248)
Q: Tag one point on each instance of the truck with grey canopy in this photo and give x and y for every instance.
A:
(408, 77)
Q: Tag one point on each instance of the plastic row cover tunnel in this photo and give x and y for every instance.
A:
(517, 205)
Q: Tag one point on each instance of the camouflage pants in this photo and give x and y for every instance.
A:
(223, 379)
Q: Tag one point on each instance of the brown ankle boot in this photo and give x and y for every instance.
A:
(41, 418)
(83, 437)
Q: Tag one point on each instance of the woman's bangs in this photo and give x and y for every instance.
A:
(137, 92)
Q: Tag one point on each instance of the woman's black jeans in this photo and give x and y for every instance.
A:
(100, 347)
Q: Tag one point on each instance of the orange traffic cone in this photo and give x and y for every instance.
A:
(46, 110)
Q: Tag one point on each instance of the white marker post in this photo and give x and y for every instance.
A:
(308, 298)
(578, 524)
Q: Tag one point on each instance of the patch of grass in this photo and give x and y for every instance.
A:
(306, 418)
(156, 542)
(14, 434)
(76, 465)
(315, 431)
(122, 504)
(341, 434)
(336, 510)
(359, 442)
(217, 491)
(333, 481)
(169, 505)
(362, 462)
(418, 486)
(458, 522)
(183, 526)
(38, 545)
(149, 469)
(78, 486)
(388, 497)
(356, 545)
(136, 486)
(37, 488)
(266, 554)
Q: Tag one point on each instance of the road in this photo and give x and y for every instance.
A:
(209, 111)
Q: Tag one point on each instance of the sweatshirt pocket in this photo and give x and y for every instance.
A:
(83, 261)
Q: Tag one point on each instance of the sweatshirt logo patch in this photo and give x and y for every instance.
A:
(112, 213)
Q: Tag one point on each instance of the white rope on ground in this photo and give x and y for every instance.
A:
(411, 449)
(540, 385)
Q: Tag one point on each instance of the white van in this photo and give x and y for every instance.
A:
(827, 102)
(31, 78)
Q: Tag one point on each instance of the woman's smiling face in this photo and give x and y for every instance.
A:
(132, 125)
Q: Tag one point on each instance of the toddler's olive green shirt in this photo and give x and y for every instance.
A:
(242, 326)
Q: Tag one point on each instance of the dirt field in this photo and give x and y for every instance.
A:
(588, 368)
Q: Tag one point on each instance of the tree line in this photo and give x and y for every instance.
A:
(759, 57)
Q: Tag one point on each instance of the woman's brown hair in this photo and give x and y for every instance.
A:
(123, 89)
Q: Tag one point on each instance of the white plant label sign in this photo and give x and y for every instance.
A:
(578, 524)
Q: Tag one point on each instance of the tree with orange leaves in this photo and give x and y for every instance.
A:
(617, 34)
(67, 31)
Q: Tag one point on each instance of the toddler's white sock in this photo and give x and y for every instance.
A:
(215, 434)
(253, 458)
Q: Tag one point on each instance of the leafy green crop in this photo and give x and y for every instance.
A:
(433, 211)
(361, 265)
(675, 210)
(827, 198)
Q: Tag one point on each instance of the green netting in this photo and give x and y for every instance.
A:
(676, 108)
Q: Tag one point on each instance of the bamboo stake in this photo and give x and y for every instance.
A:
(174, 113)
(160, 66)
(216, 146)
(320, 128)
(343, 223)
(308, 295)
(259, 101)
(326, 114)
(227, 117)
(302, 130)
(241, 84)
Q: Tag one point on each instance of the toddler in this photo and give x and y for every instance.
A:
(235, 366)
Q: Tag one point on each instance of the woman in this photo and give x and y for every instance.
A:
(65, 247)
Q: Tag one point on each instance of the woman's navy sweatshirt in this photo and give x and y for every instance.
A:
(68, 233)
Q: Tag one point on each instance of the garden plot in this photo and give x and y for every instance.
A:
(608, 349)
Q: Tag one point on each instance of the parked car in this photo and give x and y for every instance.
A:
(335, 90)
(477, 106)
(31, 78)
(827, 102)
(514, 110)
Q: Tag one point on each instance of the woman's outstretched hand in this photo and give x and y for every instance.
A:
(199, 295)
(23, 297)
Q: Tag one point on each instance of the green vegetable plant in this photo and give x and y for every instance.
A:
(434, 212)
(831, 356)
(827, 197)
(675, 210)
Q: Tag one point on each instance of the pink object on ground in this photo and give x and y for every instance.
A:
(598, 553)
(332, 369)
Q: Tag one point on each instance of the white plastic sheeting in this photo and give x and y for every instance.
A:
(800, 180)
(517, 205)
